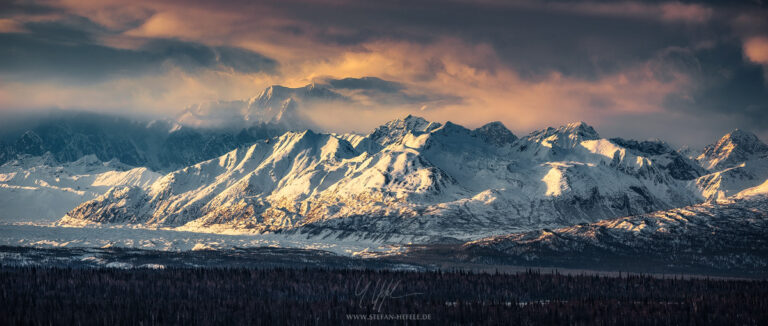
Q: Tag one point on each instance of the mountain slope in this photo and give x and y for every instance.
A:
(409, 177)
(739, 160)
(728, 235)
(733, 149)
(42, 189)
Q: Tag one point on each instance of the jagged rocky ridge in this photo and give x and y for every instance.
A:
(411, 180)
(728, 235)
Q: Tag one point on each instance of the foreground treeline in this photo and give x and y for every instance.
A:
(43, 296)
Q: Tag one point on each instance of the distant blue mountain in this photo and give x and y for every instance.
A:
(161, 145)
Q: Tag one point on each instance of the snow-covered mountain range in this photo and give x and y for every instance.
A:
(411, 180)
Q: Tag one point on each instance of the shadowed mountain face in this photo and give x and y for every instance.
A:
(160, 145)
(677, 165)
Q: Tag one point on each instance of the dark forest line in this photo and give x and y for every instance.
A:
(275, 296)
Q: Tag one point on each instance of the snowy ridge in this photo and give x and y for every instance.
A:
(737, 161)
(757, 191)
(42, 189)
(723, 235)
(412, 179)
(727, 232)
(733, 149)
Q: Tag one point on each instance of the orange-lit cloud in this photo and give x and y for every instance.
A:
(490, 91)
(664, 11)
(676, 11)
(154, 95)
(10, 26)
(526, 63)
(756, 50)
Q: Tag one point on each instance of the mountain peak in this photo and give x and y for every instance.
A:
(495, 132)
(738, 140)
(452, 128)
(271, 92)
(582, 129)
(411, 123)
(31, 143)
(395, 130)
(732, 149)
(566, 136)
(278, 94)
(314, 91)
(579, 123)
(747, 140)
(411, 117)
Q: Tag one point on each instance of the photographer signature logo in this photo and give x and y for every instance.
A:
(377, 292)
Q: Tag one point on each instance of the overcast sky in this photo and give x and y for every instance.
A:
(681, 71)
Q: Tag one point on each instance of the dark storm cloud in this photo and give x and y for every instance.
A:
(69, 50)
(367, 83)
(534, 40)
(380, 92)
(689, 55)
(71, 30)
(244, 60)
(727, 86)
(16, 7)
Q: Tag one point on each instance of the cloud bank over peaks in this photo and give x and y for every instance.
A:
(307, 107)
(682, 70)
